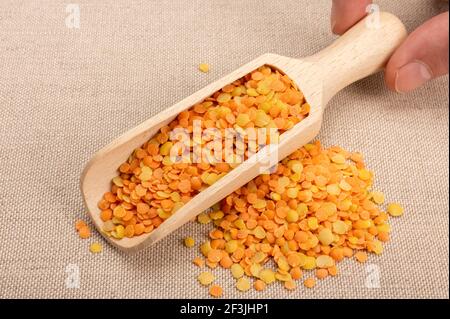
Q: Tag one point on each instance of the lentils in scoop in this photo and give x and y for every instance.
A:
(149, 187)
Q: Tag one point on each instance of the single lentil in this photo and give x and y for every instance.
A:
(204, 67)
(237, 271)
(310, 282)
(395, 209)
(215, 291)
(259, 285)
(205, 278)
(83, 229)
(321, 273)
(189, 242)
(200, 262)
(243, 284)
(95, 248)
(361, 256)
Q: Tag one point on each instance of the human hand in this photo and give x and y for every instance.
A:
(420, 58)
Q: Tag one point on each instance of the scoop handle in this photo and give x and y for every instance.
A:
(361, 51)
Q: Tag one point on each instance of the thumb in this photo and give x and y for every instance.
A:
(422, 57)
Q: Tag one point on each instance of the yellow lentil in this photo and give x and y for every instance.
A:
(326, 237)
(395, 209)
(237, 271)
(189, 242)
(95, 248)
(340, 227)
(377, 197)
(243, 284)
(203, 218)
(205, 278)
(267, 275)
(324, 261)
(205, 248)
(204, 67)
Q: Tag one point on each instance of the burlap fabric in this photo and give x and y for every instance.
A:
(66, 92)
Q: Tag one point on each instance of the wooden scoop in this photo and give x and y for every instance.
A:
(360, 52)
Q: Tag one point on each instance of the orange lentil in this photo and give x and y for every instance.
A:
(290, 285)
(296, 273)
(184, 186)
(106, 215)
(321, 273)
(84, 232)
(139, 229)
(348, 252)
(361, 256)
(80, 224)
(226, 262)
(214, 255)
(333, 271)
(198, 261)
(129, 231)
(259, 285)
(383, 236)
(215, 291)
(309, 283)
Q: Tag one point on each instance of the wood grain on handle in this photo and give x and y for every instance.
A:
(361, 51)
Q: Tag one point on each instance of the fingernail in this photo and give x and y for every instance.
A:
(412, 76)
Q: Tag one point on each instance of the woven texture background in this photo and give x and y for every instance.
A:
(65, 93)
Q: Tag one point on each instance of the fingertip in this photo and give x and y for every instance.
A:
(421, 57)
(346, 13)
(338, 28)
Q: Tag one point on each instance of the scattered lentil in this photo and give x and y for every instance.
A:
(199, 262)
(290, 285)
(395, 209)
(189, 242)
(313, 230)
(361, 256)
(215, 291)
(321, 273)
(237, 271)
(259, 285)
(83, 229)
(310, 282)
(204, 67)
(243, 284)
(205, 278)
(95, 248)
(80, 224)
(378, 197)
